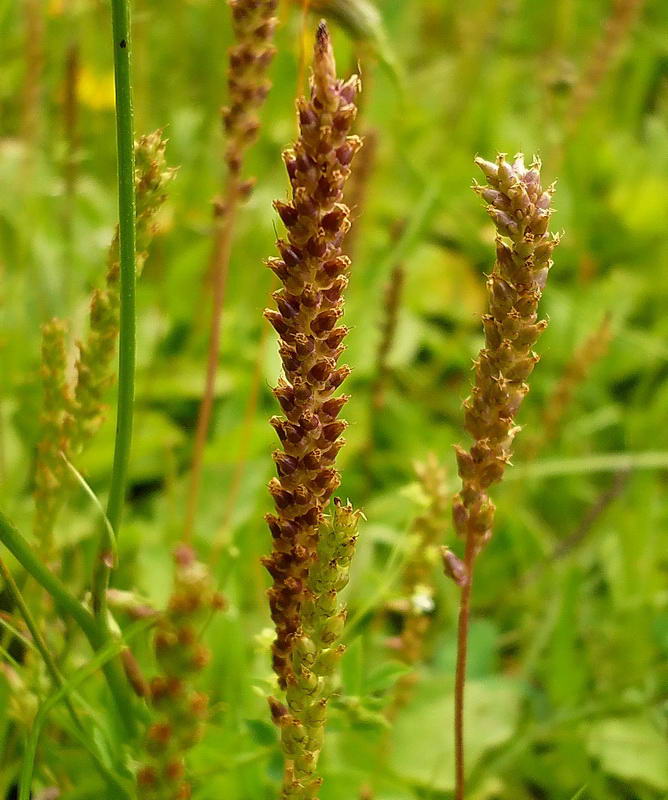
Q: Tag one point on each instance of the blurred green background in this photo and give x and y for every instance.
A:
(569, 643)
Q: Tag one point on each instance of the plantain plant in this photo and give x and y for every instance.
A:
(186, 689)
(520, 209)
(309, 562)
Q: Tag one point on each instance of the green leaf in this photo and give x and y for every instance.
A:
(631, 749)
(263, 733)
(155, 437)
(352, 668)
(385, 675)
(94, 500)
(423, 746)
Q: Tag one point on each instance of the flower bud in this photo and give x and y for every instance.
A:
(454, 567)
(489, 169)
(333, 628)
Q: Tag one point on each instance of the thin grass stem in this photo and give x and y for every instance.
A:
(460, 671)
(15, 632)
(38, 639)
(127, 332)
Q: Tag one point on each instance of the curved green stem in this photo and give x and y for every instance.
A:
(111, 649)
(37, 638)
(25, 555)
(127, 334)
(97, 634)
(40, 644)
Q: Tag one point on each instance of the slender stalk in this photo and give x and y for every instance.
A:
(253, 24)
(393, 297)
(460, 672)
(71, 121)
(219, 268)
(127, 332)
(244, 448)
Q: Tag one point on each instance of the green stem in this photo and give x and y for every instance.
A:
(101, 658)
(59, 683)
(127, 335)
(97, 634)
(37, 637)
(25, 555)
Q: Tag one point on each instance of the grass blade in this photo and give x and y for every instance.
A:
(110, 651)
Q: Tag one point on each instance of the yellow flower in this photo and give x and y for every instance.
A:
(96, 90)
(55, 8)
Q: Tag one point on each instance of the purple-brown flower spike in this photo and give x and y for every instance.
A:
(308, 322)
(521, 211)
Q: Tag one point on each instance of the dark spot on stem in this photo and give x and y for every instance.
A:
(123, 43)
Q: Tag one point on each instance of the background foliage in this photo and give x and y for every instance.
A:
(570, 639)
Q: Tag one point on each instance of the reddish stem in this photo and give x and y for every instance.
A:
(460, 674)
(219, 268)
(246, 438)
